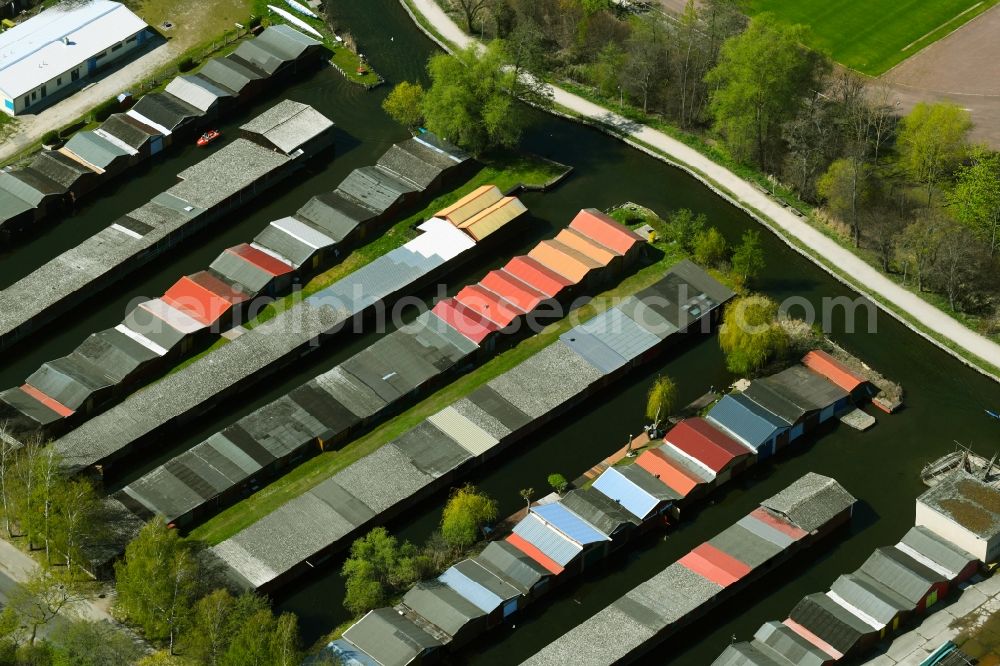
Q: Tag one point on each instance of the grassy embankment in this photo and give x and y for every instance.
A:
(874, 36)
(324, 465)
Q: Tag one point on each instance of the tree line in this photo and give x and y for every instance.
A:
(909, 192)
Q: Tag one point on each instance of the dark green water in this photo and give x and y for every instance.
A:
(944, 400)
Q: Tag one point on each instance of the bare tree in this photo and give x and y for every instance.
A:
(40, 599)
(7, 454)
(470, 10)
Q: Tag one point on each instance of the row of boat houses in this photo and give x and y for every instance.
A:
(159, 332)
(194, 389)
(270, 148)
(381, 380)
(895, 585)
(55, 180)
(482, 591)
(299, 535)
(229, 178)
(566, 534)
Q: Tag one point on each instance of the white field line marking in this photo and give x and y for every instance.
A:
(952, 19)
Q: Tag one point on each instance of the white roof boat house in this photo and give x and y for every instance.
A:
(61, 46)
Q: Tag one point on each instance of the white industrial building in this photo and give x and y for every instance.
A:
(966, 511)
(61, 46)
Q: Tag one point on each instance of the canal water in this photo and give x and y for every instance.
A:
(945, 401)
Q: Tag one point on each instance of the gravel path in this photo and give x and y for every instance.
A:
(872, 283)
(31, 127)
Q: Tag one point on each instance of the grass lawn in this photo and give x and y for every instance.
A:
(872, 36)
(317, 469)
(194, 22)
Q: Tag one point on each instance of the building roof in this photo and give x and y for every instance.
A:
(935, 552)
(806, 389)
(69, 380)
(293, 240)
(273, 49)
(59, 168)
(697, 438)
(680, 479)
(117, 354)
(715, 565)
(479, 585)
(833, 623)
(838, 373)
(288, 125)
(553, 543)
(520, 294)
(197, 91)
(811, 502)
(637, 500)
(605, 230)
(390, 638)
(564, 260)
(569, 523)
(60, 38)
(24, 401)
(901, 573)
(598, 510)
(512, 565)
(587, 246)
(163, 110)
(463, 319)
(490, 220)
(472, 203)
(489, 304)
(745, 420)
(96, 150)
(229, 74)
(790, 645)
(416, 162)
(374, 188)
(442, 606)
(868, 598)
(537, 275)
(620, 333)
(202, 299)
(966, 501)
(338, 216)
(748, 653)
(347, 654)
(746, 544)
(124, 128)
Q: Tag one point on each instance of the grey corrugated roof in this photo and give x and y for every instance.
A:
(621, 334)
(335, 214)
(389, 637)
(811, 501)
(229, 74)
(506, 561)
(37, 181)
(70, 380)
(441, 606)
(350, 392)
(415, 163)
(481, 418)
(24, 191)
(116, 354)
(437, 143)
(11, 205)
(57, 167)
(901, 573)
(153, 328)
(236, 270)
(285, 41)
(95, 149)
(374, 188)
(279, 241)
(747, 654)
(257, 58)
(23, 404)
(794, 392)
(790, 645)
(746, 546)
(593, 350)
(288, 125)
(599, 510)
(486, 579)
(834, 624)
(546, 380)
(501, 409)
(967, 501)
(118, 125)
(197, 91)
(165, 110)
(942, 552)
(431, 450)
(870, 596)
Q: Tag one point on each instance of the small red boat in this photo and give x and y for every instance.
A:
(208, 137)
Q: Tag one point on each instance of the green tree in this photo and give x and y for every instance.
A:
(684, 227)
(919, 244)
(468, 510)
(38, 601)
(761, 78)
(158, 582)
(976, 197)
(472, 99)
(750, 335)
(404, 104)
(933, 139)
(558, 482)
(261, 639)
(646, 58)
(709, 247)
(748, 257)
(377, 566)
(847, 188)
(660, 399)
(89, 643)
(526, 495)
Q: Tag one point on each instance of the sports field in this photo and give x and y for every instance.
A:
(873, 35)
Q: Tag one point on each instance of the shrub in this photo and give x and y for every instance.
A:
(104, 110)
(186, 64)
(50, 138)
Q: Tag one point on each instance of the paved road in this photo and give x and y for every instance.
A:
(31, 127)
(870, 281)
